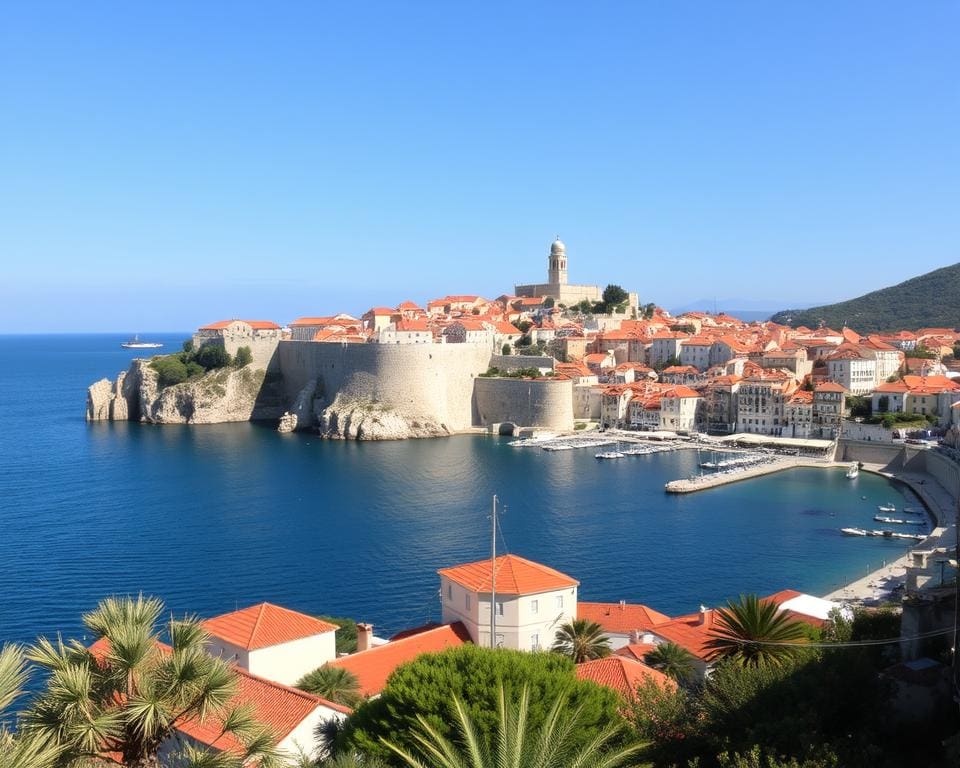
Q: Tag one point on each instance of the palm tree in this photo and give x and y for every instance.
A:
(673, 660)
(753, 631)
(333, 684)
(550, 746)
(582, 640)
(129, 692)
(20, 750)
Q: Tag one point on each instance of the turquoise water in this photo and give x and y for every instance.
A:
(214, 517)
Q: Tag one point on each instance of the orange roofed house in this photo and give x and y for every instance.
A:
(532, 601)
(272, 642)
(260, 336)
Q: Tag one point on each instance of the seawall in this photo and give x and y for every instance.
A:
(422, 382)
(544, 403)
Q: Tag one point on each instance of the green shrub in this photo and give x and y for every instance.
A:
(429, 686)
(170, 370)
(188, 346)
(212, 356)
(243, 357)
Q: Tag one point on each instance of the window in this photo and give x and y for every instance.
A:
(468, 601)
(534, 642)
(449, 591)
(499, 608)
(498, 640)
(534, 606)
(559, 602)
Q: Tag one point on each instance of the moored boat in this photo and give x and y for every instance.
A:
(887, 508)
(610, 455)
(853, 531)
(896, 521)
(135, 343)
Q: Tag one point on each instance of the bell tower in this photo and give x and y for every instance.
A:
(557, 269)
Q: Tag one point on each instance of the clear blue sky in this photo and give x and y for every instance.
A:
(167, 164)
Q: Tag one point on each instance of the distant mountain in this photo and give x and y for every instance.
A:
(928, 301)
(744, 309)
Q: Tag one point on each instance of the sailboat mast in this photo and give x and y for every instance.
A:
(493, 575)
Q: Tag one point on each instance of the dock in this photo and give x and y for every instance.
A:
(776, 464)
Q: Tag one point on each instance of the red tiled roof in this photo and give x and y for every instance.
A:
(688, 632)
(277, 706)
(380, 311)
(313, 321)
(621, 674)
(620, 618)
(374, 666)
(264, 625)
(257, 325)
(515, 576)
(636, 651)
(829, 386)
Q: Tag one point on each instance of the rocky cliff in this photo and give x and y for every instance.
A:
(221, 395)
(356, 419)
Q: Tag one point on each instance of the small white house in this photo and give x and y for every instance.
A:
(272, 642)
(532, 601)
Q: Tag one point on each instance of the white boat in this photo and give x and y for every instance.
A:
(914, 511)
(896, 521)
(135, 343)
(887, 508)
(853, 531)
(853, 471)
(610, 455)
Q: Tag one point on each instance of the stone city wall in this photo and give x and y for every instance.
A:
(525, 402)
(516, 362)
(423, 382)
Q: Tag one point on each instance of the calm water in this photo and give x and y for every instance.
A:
(214, 517)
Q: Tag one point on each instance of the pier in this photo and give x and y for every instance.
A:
(776, 464)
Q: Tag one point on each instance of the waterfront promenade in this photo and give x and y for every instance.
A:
(880, 584)
(777, 464)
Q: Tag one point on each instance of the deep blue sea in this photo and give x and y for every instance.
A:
(214, 517)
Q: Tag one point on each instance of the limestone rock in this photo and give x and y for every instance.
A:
(354, 419)
(288, 422)
(222, 395)
(301, 416)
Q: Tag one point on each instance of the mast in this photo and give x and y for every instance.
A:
(493, 574)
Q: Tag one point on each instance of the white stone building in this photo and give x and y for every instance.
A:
(272, 642)
(532, 601)
(854, 368)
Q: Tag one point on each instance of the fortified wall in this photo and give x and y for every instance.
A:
(544, 403)
(423, 384)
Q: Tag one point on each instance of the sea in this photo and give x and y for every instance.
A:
(215, 517)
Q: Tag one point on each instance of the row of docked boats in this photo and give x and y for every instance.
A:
(882, 534)
(639, 450)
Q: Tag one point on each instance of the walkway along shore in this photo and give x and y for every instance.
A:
(877, 585)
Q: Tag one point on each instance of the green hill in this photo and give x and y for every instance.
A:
(928, 301)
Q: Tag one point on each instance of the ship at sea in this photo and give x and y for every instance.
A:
(135, 343)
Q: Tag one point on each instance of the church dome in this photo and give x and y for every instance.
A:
(558, 248)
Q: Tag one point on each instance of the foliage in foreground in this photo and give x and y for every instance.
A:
(129, 693)
(191, 363)
(19, 750)
(333, 684)
(753, 631)
(515, 740)
(428, 688)
(582, 640)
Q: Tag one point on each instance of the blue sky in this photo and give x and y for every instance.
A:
(168, 164)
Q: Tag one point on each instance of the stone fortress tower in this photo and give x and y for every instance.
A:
(557, 286)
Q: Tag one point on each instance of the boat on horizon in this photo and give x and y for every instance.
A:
(135, 343)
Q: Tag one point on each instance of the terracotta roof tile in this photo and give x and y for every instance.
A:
(374, 666)
(264, 625)
(620, 618)
(257, 325)
(621, 674)
(515, 576)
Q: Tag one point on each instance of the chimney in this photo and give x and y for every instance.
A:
(634, 637)
(706, 615)
(623, 604)
(364, 637)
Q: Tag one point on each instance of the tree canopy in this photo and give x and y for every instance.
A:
(429, 687)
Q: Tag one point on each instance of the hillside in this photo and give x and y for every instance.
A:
(928, 301)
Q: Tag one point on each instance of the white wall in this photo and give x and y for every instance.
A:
(285, 663)
(303, 738)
